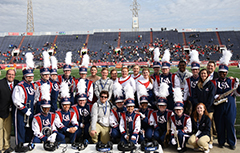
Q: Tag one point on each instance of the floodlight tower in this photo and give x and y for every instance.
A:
(135, 7)
(30, 21)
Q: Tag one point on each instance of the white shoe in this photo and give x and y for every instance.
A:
(210, 146)
(206, 151)
(179, 148)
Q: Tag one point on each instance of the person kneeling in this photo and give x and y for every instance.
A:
(66, 120)
(201, 125)
(181, 126)
(130, 123)
(43, 125)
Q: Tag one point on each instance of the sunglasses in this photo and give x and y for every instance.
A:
(103, 96)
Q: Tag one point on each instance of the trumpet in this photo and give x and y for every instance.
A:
(26, 118)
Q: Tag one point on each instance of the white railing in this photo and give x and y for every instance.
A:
(127, 30)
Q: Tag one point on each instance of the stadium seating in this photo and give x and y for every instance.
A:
(101, 45)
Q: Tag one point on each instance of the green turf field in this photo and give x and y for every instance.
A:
(233, 71)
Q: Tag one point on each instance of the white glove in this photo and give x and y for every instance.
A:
(216, 96)
(52, 137)
(173, 141)
(236, 83)
(142, 115)
(28, 113)
(133, 137)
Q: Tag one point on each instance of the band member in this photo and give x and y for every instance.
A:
(104, 83)
(23, 100)
(66, 77)
(127, 79)
(183, 73)
(167, 77)
(225, 113)
(181, 125)
(130, 122)
(114, 74)
(66, 120)
(114, 78)
(145, 113)
(83, 111)
(136, 75)
(160, 119)
(43, 125)
(147, 83)
(156, 65)
(116, 111)
(45, 74)
(192, 81)
(93, 72)
(88, 83)
(55, 86)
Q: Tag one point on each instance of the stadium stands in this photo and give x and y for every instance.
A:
(134, 45)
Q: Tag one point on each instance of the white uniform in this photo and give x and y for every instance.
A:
(146, 83)
(125, 81)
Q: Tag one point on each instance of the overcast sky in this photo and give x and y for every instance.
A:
(86, 15)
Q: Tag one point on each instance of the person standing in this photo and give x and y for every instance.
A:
(55, 85)
(136, 75)
(167, 77)
(45, 74)
(66, 77)
(87, 85)
(126, 79)
(225, 113)
(147, 83)
(93, 76)
(183, 73)
(191, 82)
(156, 65)
(211, 66)
(6, 87)
(103, 84)
(204, 92)
(23, 100)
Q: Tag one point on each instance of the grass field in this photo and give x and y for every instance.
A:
(233, 71)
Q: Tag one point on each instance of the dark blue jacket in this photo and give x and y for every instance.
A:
(205, 96)
(204, 126)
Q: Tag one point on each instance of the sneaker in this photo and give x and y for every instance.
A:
(232, 147)
(210, 146)
(206, 151)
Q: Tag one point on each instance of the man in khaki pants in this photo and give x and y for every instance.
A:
(6, 87)
(100, 119)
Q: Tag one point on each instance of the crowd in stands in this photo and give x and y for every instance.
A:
(131, 50)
